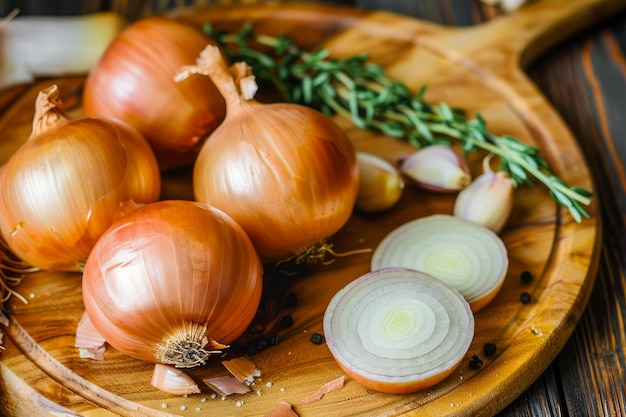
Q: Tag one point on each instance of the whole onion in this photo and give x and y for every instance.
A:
(286, 173)
(133, 81)
(171, 282)
(64, 185)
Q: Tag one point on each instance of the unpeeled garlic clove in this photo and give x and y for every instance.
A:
(380, 183)
(437, 168)
(173, 381)
(488, 200)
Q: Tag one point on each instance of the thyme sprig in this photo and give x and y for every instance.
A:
(362, 92)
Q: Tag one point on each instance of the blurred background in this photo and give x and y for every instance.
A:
(458, 12)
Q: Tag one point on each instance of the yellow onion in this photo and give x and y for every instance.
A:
(62, 188)
(172, 282)
(133, 81)
(286, 173)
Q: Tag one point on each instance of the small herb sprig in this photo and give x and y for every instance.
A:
(360, 90)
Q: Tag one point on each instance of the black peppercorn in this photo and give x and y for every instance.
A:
(526, 277)
(489, 349)
(290, 300)
(317, 339)
(286, 321)
(524, 298)
(251, 348)
(260, 344)
(272, 340)
(475, 362)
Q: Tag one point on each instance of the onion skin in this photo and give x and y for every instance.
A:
(286, 173)
(172, 272)
(133, 81)
(63, 186)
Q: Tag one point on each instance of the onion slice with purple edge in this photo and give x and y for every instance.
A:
(467, 256)
(398, 330)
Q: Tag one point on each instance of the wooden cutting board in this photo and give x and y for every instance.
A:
(477, 68)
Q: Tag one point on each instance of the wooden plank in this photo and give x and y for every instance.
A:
(592, 364)
(536, 226)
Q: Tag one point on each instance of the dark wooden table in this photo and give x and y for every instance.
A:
(585, 80)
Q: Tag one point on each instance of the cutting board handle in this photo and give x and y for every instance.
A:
(539, 25)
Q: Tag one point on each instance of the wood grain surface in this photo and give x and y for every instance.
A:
(478, 69)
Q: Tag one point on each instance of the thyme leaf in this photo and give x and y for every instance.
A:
(360, 91)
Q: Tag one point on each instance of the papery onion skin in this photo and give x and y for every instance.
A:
(177, 271)
(63, 186)
(133, 81)
(398, 369)
(173, 381)
(286, 173)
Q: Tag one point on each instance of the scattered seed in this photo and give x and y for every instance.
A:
(489, 349)
(526, 277)
(536, 331)
(183, 407)
(282, 389)
(163, 405)
(317, 339)
(476, 362)
(524, 298)
(203, 399)
(269, 384)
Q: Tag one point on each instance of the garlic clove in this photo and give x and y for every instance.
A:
(173, 381)
(488, 200)
(380, 183)
(437, 168)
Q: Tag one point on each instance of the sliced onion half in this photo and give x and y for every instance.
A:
(397, 330)
(467, 256)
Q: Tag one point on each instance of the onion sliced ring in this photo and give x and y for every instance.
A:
(469, 257)
(397, 330)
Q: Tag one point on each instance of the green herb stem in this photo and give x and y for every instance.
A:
(359, 90)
